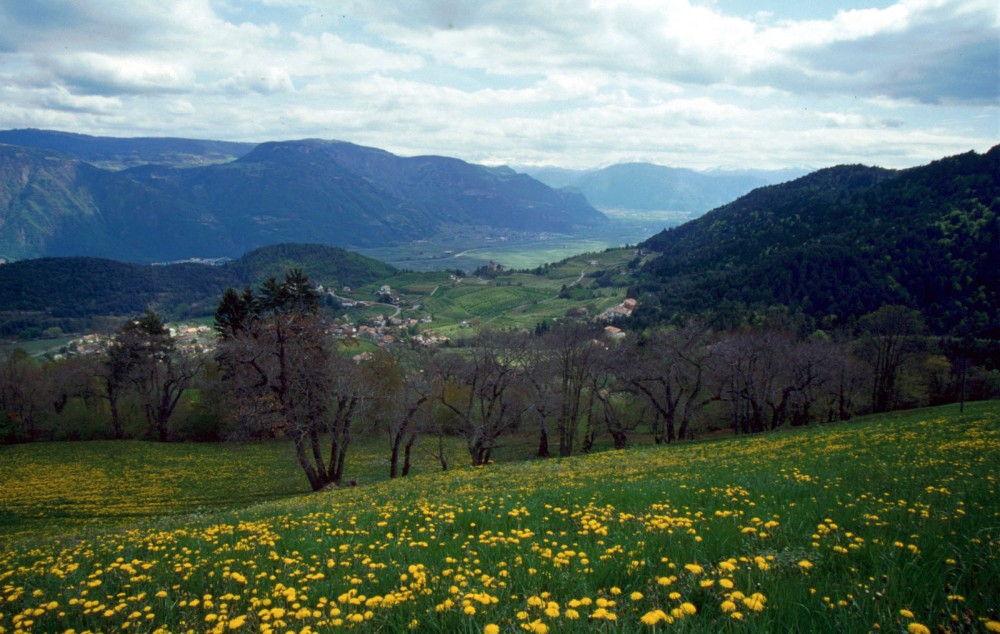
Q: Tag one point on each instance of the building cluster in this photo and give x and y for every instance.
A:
(384, 331)
(621, 310)
(189, 339)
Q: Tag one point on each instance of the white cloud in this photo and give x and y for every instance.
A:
(264, 81)
(62, 99)
(559, 82)
(98, 73)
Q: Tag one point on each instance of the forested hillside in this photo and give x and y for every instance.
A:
(841, 242)
(69, 293)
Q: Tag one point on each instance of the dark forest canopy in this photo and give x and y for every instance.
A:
(61, 291)
(841, 242)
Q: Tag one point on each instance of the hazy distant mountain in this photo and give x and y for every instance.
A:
(296, 191)
(645, 186)
(841, 242)
(119, 153)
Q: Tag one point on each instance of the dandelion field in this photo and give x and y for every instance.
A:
(890, 524)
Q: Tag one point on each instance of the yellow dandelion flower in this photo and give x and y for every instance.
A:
(688, 608)
(906, 614)
(636, 596)
(993, 626)
(917, 628)
(694, 569)
(537, 627)
(492, 628)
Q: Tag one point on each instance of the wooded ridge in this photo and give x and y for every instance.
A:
(841, 242)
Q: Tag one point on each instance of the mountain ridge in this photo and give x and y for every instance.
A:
(841, 242)
(116, 153)
(649, 187)
(333, 192)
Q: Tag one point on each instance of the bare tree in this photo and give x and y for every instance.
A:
(668, 369)
(890, 337)
(749, 366)
(613, 397)
(414, 403)
(281, 373)
(539, 377)
(573, 351)
(481, 389)
(21, 401)
(144, 354)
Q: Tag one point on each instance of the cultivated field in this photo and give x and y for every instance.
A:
(511, 300)
(889, 524)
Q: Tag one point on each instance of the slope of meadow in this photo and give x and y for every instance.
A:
(888, 524)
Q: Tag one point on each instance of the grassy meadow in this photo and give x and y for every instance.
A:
(887, 524)
(514, 300)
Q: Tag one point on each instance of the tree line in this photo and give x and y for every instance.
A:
(566, 388)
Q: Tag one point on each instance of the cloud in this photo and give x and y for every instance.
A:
(101, 74)
(932, 52)
(560, 81)
(265, 81)
(62, 99)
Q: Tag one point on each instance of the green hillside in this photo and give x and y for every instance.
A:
(70, 293)
(887, 524)
(841, 242)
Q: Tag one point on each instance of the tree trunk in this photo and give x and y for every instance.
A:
(116, 419)
(394, 457)
(441, 458)
(543, 443)
(316, 480)
(317, 450)
(407, 452)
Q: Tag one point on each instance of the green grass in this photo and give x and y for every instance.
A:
(873, 525)
(469, 252)
(514, 300)
(63, 486)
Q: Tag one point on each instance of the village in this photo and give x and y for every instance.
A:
(401, 319)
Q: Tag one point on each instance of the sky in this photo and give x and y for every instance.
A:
(571, 83)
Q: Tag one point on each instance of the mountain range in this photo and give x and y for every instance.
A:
(120, 153)
(649, 187)
(336, 193)
(833, 245)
